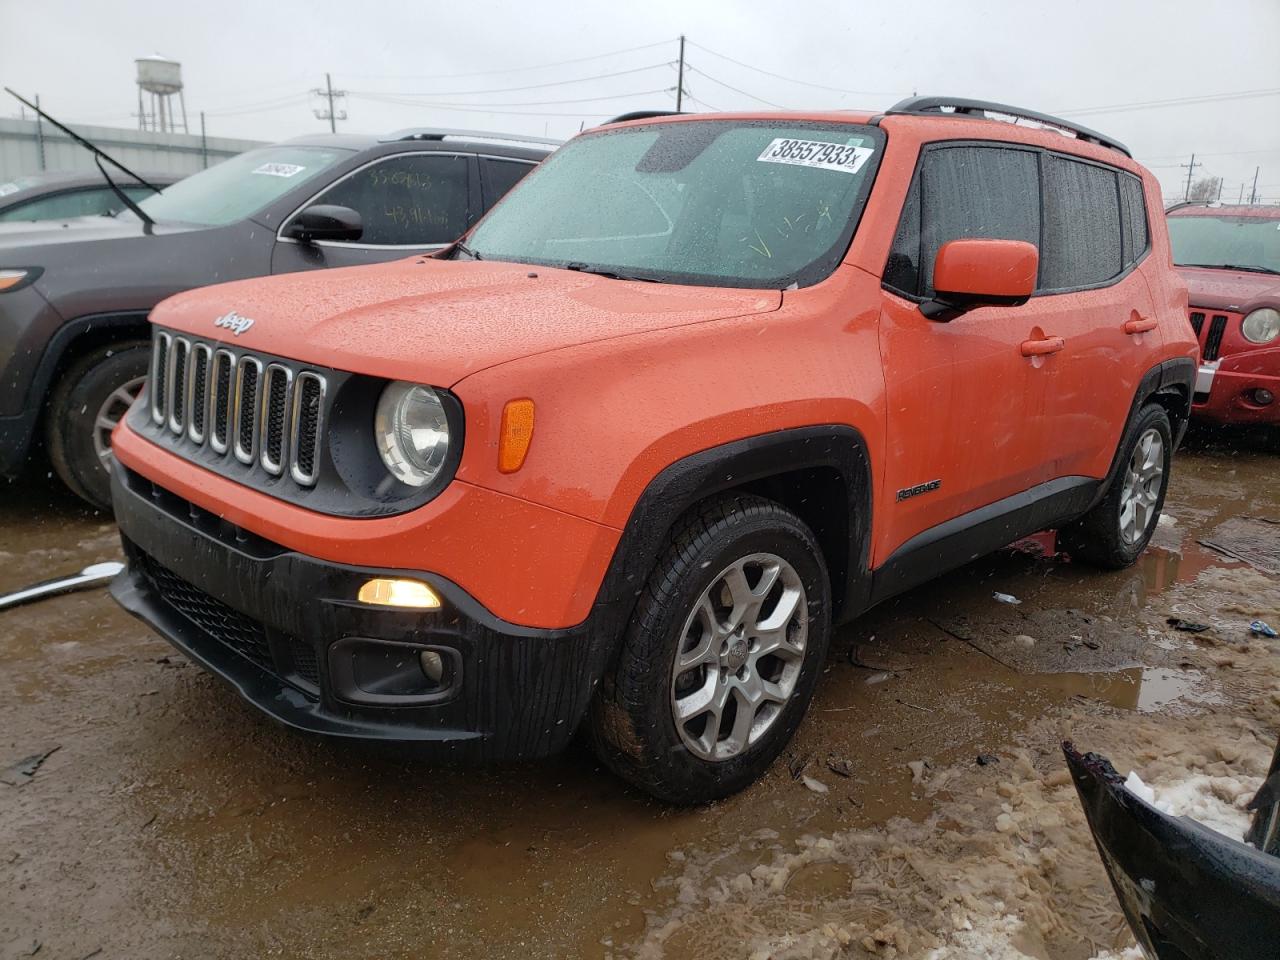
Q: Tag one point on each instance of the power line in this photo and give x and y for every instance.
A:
(778, 76)
(727, 86)
(263, 107)
(486, 73)
(524, 103)
(529, 86)
(1174, 102)
(474, 108)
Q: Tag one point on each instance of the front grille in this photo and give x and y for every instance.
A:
(229, 627)
(305, 662)
(1213, 342)
(1197, 322)
(266, 413)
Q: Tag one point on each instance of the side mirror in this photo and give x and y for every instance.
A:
(325, 221)
(972, 273)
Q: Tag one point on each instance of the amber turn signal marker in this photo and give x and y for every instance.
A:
(516, 433)
(388, 592)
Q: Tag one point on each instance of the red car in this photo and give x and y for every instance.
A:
(1230, 258)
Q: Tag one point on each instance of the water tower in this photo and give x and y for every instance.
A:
(160, 79)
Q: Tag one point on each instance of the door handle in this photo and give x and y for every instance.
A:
(1042, 348)
(1139, 325)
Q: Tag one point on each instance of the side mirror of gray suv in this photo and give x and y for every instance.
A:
(325, 222)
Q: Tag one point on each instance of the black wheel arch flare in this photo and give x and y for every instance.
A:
(820, 472)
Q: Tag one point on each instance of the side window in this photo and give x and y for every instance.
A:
(75, 203)
(412, 200)
(1135, 218)
(1082, 237)
(988, 192)
(499, 176)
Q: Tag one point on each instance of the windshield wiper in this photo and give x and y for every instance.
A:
(1247, 268)
(460, 246)
(579, 267)
(98, 156)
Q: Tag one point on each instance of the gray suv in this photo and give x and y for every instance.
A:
(75, 294)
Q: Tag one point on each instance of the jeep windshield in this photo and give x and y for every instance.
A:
(1227, 242)
(713, 202)
(239, 187)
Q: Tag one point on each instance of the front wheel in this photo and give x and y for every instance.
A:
(720, 660)
(84, 408)
(1116, 531)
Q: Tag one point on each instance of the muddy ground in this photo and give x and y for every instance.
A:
(172, 820)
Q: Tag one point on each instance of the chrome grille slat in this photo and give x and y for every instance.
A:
(159, 375)
(197, 391)
(264, 412)
(274, 416)
(175, 391)
(220, 391)
(304, 439)
(245, 420)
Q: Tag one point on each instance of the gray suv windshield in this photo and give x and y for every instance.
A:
(240, 187)
(727, 203)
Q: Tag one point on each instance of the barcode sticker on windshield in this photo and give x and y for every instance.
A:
(816, 153)
(279, 169)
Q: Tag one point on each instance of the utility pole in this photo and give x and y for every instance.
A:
(1253, 194)
(330, 94)
(1219, 200)
(1241, 200)
(1190, 170)
(680, 78)
(204, 142)
(40, 135)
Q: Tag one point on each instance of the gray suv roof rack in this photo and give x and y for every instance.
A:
(934, 106)
(439, 133)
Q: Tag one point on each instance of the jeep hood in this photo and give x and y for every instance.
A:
(1236, 290)
(437, 321)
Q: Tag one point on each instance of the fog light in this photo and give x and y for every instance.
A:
(1263, 397)
(432, 665)
(388, 592)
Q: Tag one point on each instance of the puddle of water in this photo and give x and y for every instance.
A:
(1142, 689)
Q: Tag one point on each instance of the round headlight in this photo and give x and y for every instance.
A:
(1261, 326)
(412, 432)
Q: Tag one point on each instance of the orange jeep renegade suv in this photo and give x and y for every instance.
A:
(699, 389)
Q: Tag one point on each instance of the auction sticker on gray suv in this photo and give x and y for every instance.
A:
(816, 153)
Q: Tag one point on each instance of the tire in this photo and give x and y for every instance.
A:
(633, 725)
(93, 391)
(1104, 536)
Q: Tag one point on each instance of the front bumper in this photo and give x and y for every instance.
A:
(1186, 891)
(1225, 390)
(266, 619)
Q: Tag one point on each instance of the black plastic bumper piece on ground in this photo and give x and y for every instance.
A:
(262, 618)
(1188, 892)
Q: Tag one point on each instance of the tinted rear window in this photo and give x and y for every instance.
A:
(1081, 244)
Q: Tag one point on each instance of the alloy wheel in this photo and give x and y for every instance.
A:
(110, 414)
(740, 654)
(1143, 483)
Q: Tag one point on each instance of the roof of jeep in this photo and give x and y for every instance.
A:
(1258, 210)
(936, 126)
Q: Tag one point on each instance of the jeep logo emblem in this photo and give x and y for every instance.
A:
(234, 322)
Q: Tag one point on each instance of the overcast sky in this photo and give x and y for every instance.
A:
(250, 66)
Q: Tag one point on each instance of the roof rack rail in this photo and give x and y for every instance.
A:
(644, 115)
(981, 108)
(440, 133)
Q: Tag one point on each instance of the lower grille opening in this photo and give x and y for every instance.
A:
(229, 627)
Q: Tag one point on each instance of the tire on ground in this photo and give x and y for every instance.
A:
(631, 724)
(73, 410)
(1096, 538)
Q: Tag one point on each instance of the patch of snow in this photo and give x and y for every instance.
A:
(1215, 802)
